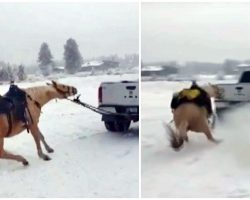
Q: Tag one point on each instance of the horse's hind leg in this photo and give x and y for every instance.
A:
(6, 155)
(47, 147)
(183, 131)
(209, 135)
(37, 137)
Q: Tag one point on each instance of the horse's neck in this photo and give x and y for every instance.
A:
(42, 94)
(209, 90)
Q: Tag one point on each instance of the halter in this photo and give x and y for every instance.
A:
(63, 93)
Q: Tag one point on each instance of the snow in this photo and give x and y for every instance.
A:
(88, 161)
(201, 168)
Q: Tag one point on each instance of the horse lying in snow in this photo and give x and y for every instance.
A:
(36, 97)
(189, 116)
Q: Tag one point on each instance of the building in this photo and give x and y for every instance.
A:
(99, 65)
(158, 70)
(242, 67)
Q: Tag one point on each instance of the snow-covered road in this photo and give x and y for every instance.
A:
(200, 169)
(88, 161)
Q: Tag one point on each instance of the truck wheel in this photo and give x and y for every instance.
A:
(117, 126)
(110, 126)
(122, 126)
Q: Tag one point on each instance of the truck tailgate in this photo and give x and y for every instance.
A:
(120, 93)
(235, 92)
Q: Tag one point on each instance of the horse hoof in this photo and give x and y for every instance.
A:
(216, 141)
(46, 158)
(25, 163)
(177, 149)
(50, 150)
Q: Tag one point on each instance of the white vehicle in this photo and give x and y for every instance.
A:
(234, 93)
(121, 99)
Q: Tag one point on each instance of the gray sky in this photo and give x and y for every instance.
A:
(98, 28)
(195, 31)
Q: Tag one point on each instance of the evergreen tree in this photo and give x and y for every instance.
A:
(72, 56)
(10, 73)
(21, 73)
(45, 59)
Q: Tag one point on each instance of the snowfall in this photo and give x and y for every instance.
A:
(88, 160)
(200, 168)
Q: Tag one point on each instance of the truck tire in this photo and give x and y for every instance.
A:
(110, 126)
(117, 126)
(122, 126)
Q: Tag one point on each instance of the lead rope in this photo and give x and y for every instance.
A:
(97, 110)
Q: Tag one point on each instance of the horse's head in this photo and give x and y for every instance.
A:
(213, 90)
(64, 91)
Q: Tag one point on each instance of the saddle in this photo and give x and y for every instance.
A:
(14, 104)
(194, 95)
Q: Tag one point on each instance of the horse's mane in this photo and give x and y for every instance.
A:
(39, 93)
(37, 90)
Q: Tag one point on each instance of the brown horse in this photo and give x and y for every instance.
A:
(191, 117)
(36, 98)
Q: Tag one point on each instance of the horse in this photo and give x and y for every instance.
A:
(191, 117)
(36, 98)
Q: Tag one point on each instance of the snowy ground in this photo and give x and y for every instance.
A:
(88, 161)
(200, 169)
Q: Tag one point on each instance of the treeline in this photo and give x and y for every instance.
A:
(12, 73)
(228, 66)
(71, 63)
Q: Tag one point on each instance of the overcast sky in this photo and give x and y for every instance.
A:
(98, 28)
(195, 31)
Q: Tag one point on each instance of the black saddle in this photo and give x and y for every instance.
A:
(203, 100)
(14, 102)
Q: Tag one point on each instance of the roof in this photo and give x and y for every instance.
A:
(152, 68)
(243, 65)
(92, 63)
(59, 67)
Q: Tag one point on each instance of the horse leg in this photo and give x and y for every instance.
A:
(37, 137)
(175, 144)
(209, 135)
(47, 147)
(183, 131)
(6, 155)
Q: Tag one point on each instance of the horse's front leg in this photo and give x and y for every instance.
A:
(37, 137)
(6, 155)
(47, 147)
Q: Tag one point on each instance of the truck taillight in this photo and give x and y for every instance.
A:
(100, 94)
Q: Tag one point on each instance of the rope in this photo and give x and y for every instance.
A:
(98, 110)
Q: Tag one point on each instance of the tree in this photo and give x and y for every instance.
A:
(72, 56)
(45, 59)
(10, 73)
(21, 73)
(230, 65)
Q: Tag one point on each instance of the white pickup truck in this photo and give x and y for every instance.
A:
(234, 93)
(121, 99)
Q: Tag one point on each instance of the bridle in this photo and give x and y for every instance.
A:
(63, 93)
